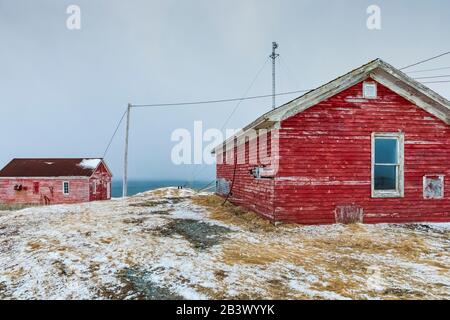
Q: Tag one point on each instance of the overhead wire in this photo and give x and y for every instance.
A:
(432, 77)
(428, 70)
(426, 60)
(217, 101)
(245, 97)
(443, 81)
(114, 134)
(195, 174)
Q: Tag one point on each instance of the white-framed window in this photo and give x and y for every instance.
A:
(370, 90)
(433, 186)
(66, 187)
(94, 187)
(388, 165)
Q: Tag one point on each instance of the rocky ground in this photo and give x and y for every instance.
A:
(177, 244)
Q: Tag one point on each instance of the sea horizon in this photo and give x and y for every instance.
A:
(136, 186)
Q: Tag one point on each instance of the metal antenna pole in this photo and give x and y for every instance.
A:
(125, 162)
(273, 56)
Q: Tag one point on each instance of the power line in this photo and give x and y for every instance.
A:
(432, 77)
(114, 134)
(444, 81)
(196, 103)
(265, 96)
(427, 70)
(230, 100)
(196, 172)
(244, 97)
(216, 101)
(426, 60)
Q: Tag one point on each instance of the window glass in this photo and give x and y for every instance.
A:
(370, 90)
(387, 165)
(386, 151)
(385, 177)
(66, 187)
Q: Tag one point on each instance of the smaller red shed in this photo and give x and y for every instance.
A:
(55, 181)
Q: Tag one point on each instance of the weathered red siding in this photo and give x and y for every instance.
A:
(325, 162)
(50, 190)
(254, 194)
(102, 180)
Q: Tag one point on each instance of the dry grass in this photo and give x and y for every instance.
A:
(338, 272)
(159, 252)
(231, 214)
(301, 246)
(149, 203)
(240, 252)
(35, 245)
(340, 261)
(13, 207)
(407, 246)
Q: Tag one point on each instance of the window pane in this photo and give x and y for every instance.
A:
(386, 151)
(370, 90)
(385, 177)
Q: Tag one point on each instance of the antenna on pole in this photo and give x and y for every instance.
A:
(125, 160)
(273, 56)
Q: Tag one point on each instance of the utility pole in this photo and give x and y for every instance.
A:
(125, 160)
(273, 56)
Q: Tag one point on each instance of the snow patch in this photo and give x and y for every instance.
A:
(89, 163)
(82, 251)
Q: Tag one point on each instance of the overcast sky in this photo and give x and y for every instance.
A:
(62, 91)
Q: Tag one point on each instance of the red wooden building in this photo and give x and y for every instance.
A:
(370, 146)
(53, 181)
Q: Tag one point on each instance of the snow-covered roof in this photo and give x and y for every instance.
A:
(90, 163)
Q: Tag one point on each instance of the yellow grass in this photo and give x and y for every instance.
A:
(339, 259)
(231, 214)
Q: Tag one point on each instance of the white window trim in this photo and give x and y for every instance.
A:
(399, 192)
(442, 178)
(94, 189)
(68, 188)
(364, 89)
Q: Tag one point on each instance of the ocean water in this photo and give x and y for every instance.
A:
(137, 186)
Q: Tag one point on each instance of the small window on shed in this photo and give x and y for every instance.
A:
(433, 187)
(369, 90)
(66, 188)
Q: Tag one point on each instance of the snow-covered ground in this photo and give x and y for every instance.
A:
(175, 244)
